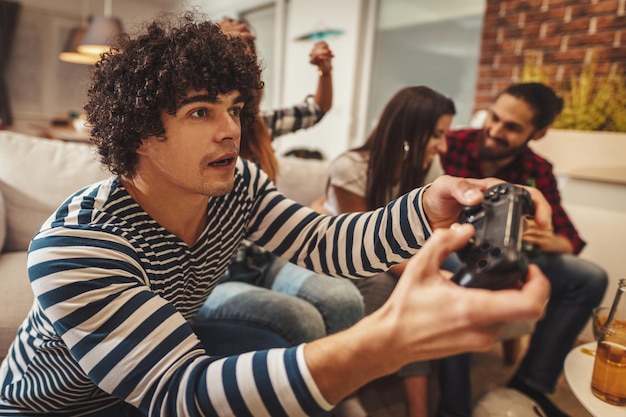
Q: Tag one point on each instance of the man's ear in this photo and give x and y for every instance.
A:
(141, 150)
(539, 134)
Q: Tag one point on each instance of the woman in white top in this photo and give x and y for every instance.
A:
(400, 154)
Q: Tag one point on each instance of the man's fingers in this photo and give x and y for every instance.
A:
(527, 303)
(543, 211)
(443, 242)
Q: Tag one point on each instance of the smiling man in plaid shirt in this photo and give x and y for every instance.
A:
(521, 113)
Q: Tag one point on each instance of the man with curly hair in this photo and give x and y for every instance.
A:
(123, 265)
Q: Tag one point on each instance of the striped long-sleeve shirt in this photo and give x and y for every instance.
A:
(114, 291)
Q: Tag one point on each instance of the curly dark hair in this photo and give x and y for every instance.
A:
(143, 76)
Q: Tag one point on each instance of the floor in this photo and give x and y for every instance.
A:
(384, 397)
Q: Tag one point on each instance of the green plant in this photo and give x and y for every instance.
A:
(590, 101)
(617, 107)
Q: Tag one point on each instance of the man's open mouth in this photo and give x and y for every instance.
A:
(222, 162)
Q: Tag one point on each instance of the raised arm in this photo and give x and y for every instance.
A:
(322, 56)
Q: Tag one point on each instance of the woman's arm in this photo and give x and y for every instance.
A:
(322, 56)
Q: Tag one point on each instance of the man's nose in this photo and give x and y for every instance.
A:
(494, 129)
(229, 127)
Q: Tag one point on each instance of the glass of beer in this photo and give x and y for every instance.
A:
(598, 317)
(608, 381)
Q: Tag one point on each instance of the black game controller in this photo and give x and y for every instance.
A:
(494, 257)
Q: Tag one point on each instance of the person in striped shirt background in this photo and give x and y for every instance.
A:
(122, 266)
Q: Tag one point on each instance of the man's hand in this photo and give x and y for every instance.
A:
(447, 195)
(545, 238)
(472, 317)
(426, 317)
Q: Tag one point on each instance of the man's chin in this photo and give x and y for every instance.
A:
(489, 155)
(219, 190)
(222, 191)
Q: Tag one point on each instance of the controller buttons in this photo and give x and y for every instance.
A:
(496, 252)
(482, 264)
(485, 246)
(473, 257)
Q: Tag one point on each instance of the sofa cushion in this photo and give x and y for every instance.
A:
(302, 180)
(17, 296)
(36, 175)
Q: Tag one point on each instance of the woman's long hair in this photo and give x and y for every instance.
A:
(256, 146)
(409, 118)
(256, 141)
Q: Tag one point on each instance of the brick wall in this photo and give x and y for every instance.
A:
(558, 35)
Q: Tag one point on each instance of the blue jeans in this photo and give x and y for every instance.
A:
(577, 287)
(288, 306)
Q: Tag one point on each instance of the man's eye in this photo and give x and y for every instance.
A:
(514, 128)
(235, 111)
(199, 113)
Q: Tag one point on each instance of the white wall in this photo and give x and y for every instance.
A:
(332, 134)
(591, 170)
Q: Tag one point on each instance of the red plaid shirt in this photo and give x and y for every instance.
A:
(528, 168)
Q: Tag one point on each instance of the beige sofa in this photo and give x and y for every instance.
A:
(37, 174)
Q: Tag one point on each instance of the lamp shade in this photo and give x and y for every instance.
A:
(70, 52)
(101, 32)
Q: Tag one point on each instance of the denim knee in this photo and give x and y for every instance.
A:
(571, 272)
(337, 299)
(292, 318)
(598, 280)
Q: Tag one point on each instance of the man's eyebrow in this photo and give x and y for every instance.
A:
(509, 123)
(205, 98)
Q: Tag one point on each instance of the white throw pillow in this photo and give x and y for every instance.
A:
(302, 180)
(36, 176)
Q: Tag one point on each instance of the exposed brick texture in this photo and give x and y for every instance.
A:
(558, 35)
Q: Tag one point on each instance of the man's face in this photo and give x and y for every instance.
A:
(202, 145)
(508, 128)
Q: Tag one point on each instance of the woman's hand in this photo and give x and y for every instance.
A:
(322, 57)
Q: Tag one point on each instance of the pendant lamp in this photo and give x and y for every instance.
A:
(70, 50)
(101, 32)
